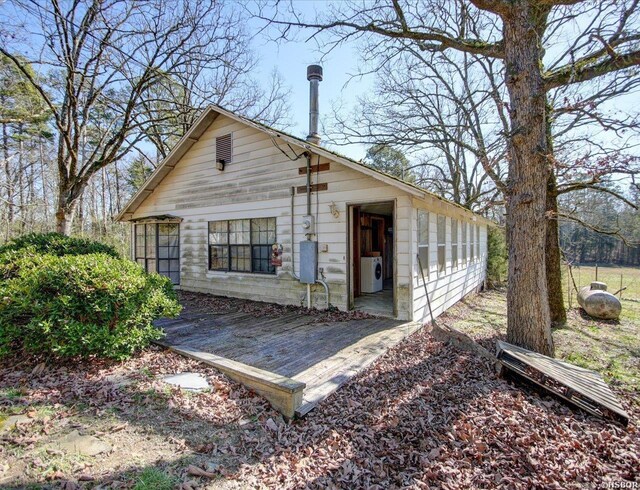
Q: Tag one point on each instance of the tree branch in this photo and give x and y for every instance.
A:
(582, 70)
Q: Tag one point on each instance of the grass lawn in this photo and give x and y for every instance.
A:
(610, 347)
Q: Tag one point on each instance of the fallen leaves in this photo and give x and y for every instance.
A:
(425, 415)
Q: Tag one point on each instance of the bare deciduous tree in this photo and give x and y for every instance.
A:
(600, 39)
(98, 64)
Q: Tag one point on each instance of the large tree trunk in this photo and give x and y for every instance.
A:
(553, 260)
(528, 318)
(65, 209)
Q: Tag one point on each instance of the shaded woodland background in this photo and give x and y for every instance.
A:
(437, 120)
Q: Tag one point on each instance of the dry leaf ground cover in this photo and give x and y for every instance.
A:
(425, 415)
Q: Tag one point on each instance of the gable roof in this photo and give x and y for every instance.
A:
(212, 112)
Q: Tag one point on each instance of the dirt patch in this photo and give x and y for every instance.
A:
(259, 309)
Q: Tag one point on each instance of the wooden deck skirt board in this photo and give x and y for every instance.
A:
(284, 394)
(327, 376)
(291, 359)
(581, 387)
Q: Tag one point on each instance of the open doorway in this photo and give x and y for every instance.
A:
(372, 254)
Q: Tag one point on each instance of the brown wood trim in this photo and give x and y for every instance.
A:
(357, 238)
(321, 167)
(314, 188)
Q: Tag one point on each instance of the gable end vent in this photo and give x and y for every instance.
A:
(224, 148)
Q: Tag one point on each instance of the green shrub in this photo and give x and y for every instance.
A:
(79, 305)
(496, 256)
(58, 244)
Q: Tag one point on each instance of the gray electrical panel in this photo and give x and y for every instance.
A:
(308, 262)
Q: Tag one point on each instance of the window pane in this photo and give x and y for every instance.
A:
(454, 242)
(218, 232)
(464, 243)
(141, 262)
(219, 258)
(263, 231)
(271, 231)
(175, 277)
(261, 260)
(163, 266)
(441, 258)
(423, 227)
(174, 240)
(151, 265)
(423, 253)
(478, 241)
(472, 241)
(258, 230)
(240, 258)
(140, 246)
(151, 240)
(166, 228)
(441, 231)
(240, 232)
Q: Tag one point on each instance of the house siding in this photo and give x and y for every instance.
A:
(447, 288)
(258, 184)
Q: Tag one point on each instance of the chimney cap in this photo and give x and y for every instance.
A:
(314, 72)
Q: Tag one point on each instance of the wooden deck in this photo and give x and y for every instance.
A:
(291, 359)
(581, 387)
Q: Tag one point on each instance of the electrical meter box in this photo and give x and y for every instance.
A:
(308, 262)
(308, 225)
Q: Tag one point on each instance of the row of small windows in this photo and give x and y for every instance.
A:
(458, 243)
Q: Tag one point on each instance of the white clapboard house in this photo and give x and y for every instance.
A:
(242, 210)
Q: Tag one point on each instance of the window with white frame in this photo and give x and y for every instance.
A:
(464, 244)
(423, 241)
(478, 241)
(454, 243)
(242, 245)
(442, 244)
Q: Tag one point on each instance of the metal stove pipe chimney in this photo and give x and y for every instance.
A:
(314, 75)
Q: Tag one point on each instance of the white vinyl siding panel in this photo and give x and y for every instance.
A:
(447, 289)
(258, 185)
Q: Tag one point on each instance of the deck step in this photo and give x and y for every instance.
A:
(581, 387)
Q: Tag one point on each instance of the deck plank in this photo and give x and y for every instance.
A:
(290, 345)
